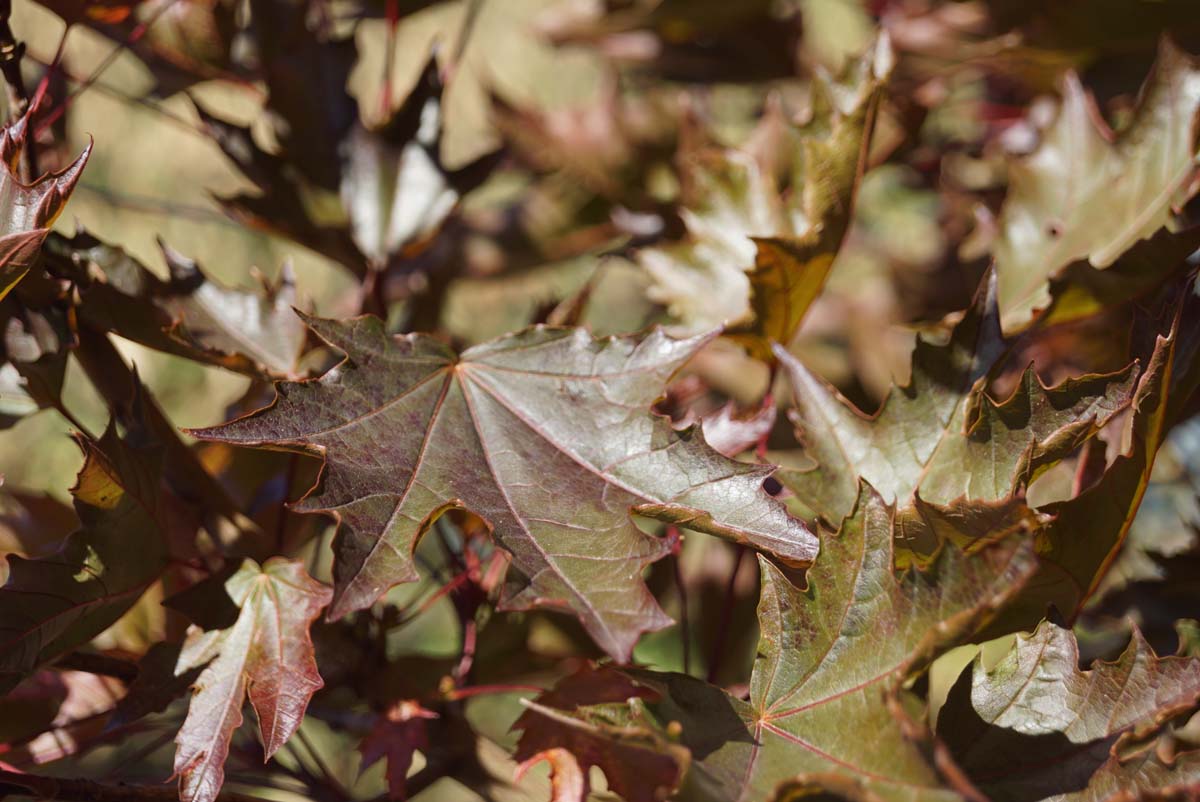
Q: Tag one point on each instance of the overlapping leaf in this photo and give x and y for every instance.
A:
(52, 605)
(606, 725)
(1087, 531)
(1035, 725)
(942, 437)
(740, 224)
(266, 656)
(188, 315)
(395, 188)
(1087, 194)
(28, 210)
(547, 434)
(827, 656)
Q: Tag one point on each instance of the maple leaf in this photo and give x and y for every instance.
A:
(266, 655)
(740, 224)
(155, 686)
(53, 605)
(547, 434)
(1167, 523)
(1034, 724)
(286, 203)
(396, 736)
(942, 436)
(188, 315)
(827, 655)
(1086, 193)
(28, 210)
(1144, 776)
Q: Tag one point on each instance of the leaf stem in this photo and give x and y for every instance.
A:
(482, 690)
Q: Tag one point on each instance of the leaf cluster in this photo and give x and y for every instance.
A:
(805, 410)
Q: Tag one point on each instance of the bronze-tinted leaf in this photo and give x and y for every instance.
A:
(267, 656)
(397, 735)
(1034, 724)
(1080, 544)
(739, 223)
(547, 434)
(52, 605)
(28, 210)
(187, 315)
(828, 654)
(598, 717)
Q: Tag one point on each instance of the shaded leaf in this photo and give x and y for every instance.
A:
(1034, 724)
(597, 716)
(1086, 193)
(286, 203)
(739, 223)
(305, 66)
(518, 430)
(187, 315)
(397, 734)
(50, 606)
(267, 656)
(33, 356)
(1143, 777)
(1079, 290)
(155, 686)
(28, 210)
(1168, 519)
(1079, 545)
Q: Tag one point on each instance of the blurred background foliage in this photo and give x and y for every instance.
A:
(567, 124)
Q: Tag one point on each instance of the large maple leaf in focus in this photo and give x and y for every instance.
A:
(828, 657)
(547, 434)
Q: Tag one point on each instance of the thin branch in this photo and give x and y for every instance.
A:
(98, 664)
(485, 690)
(327, 773)
(133, 38)
(685, 628)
